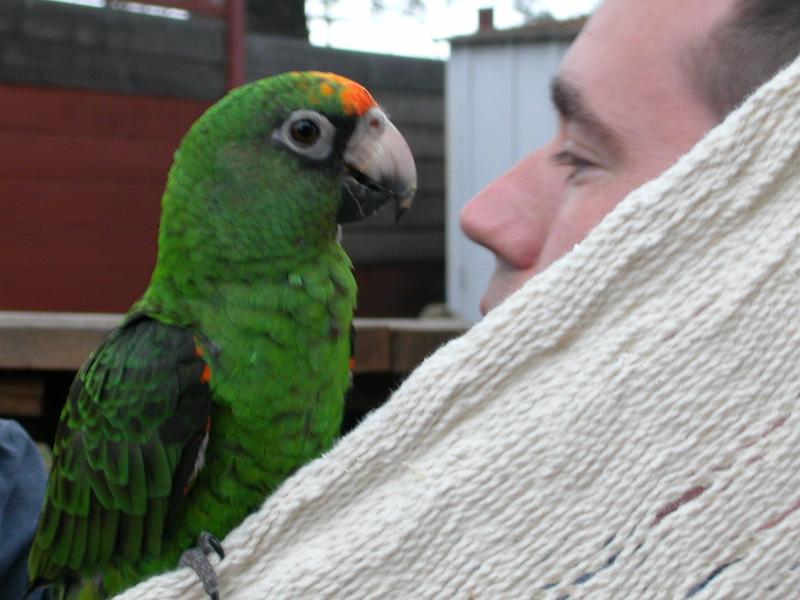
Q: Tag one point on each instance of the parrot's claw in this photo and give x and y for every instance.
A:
(196, 559)
(208, 543)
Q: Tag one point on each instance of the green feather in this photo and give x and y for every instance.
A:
(137, 483)
(129, 540)
(63, 539)
(122, 497)
(79, 542)
(158, 471)
(110, 531)
(48, 525)
(115, 465)
(94, 533)
(101, 490)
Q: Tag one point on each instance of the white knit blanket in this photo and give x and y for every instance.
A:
(625, 426)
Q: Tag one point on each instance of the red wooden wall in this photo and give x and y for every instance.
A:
(81, 177)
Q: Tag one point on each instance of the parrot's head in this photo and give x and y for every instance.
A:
(271, 170)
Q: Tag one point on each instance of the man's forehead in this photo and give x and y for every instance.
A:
(655, 32)
(634, 51)
(667, 18)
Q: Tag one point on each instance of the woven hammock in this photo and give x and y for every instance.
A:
(627, 425)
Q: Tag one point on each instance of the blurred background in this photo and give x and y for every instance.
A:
(96, 94)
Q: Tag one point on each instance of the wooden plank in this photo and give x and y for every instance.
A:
(52, 249)
(412, 108)
(35, 63)
(96, 114)
(431, 175)
(386, 245)
(398, 289)
(425, 143)
(76, 245)
(236, 17)
(62, 341)
(21, 396)
(50, 341)
(413, 342)
(207, 8)
(110, 290)
(372, 348)
(83, 157)
(86, 27)
(45, 202)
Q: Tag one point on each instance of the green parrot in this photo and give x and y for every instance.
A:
(231, 370)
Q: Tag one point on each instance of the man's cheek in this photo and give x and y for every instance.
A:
(581, 212)
(590, 205)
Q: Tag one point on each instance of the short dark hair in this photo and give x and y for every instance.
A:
(744, 51)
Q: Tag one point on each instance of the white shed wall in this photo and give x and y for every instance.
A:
(497, 101)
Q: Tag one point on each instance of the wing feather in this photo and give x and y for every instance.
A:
(118, 450)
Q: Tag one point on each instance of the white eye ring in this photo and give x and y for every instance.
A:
(317, 149)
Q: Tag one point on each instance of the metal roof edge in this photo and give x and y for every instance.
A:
(544, 30)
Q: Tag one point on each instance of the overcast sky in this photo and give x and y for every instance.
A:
(357, 27)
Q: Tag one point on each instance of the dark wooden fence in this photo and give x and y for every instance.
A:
(93, 103)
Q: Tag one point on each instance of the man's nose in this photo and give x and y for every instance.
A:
(484, 215)
(495, 208)
(510, 215)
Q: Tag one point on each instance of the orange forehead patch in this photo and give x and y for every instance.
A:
(355, 97)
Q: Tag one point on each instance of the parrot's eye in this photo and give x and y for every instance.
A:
(307, 133)
(304, 132)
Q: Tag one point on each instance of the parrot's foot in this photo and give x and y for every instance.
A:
(196, 558)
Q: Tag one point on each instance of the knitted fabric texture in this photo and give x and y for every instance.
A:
(627, 425)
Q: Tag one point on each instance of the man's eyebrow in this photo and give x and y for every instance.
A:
(569, 102)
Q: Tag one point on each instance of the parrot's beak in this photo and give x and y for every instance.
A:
(380, 168)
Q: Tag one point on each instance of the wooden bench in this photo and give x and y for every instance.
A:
(35, 344)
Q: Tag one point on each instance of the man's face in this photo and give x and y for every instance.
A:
(627, 112)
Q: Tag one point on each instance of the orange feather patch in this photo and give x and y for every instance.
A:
(355, 97)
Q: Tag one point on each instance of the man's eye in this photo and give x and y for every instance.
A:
(575, 162)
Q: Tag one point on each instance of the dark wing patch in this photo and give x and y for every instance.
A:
(133, 415)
